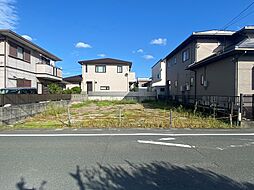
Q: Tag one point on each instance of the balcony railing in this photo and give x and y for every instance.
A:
(48, 71)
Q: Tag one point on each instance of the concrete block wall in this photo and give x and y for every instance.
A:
(13, 114)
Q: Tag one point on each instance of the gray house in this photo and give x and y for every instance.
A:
(213, 63)
(25, 64)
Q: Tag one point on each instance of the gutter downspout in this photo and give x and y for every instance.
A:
(5, 62)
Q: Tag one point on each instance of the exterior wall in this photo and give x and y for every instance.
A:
(116, 81)
(177, 72)
(220, 77)
(245, 75)
(1, 47)
(2, 52)
(205, 48)
(71, 85)
(159, 69)
(1, 77)
(12, 74)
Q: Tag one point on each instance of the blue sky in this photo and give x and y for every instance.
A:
(141, 31)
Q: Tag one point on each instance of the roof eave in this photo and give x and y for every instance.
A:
(19, 38)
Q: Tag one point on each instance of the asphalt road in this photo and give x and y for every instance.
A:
(127, 159)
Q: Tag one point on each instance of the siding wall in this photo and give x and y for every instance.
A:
(205, 48)
(220, 76)
(116, 81)
(245, 75)
(159, 68)
(177, 72)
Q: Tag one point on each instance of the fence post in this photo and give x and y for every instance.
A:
(240, 110)
(170, 119)
(69, 115)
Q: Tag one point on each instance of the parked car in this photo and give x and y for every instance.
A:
(18, 91)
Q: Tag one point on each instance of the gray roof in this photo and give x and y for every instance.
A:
(28, 43)
(246, 43)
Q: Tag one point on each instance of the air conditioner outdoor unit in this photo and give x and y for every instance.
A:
(205, 83)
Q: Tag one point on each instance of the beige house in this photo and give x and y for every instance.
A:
(106, 75)
(159, 77)
(212, 63)
(24, 64)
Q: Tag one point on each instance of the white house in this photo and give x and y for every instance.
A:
(106, 75)
(159, 77)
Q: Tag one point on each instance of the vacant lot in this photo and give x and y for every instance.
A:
(113, 114)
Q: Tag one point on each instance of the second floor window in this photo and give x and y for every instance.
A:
(175, 61)
(20, 52)
(45, 60)
(100, 68)
(186, 55)
(159, 76)
(119, 69)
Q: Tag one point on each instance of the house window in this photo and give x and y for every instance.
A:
(162, 89)
(186, 55)
(86, 68)
(159, 76)
(104, 87)
(191, 81)
(202, 79)
(175, 61)
(20, 52)
(100, 68)
(45, 60)
(119, 69)
(176, 83)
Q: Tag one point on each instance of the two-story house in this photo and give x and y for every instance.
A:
(106, 75)
(159, 77)
(197, 47)
(24, 64)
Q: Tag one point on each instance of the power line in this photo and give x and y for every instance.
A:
(232, 21)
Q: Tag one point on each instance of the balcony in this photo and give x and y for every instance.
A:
(48, 72)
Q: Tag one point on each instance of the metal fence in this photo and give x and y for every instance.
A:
(16, 99)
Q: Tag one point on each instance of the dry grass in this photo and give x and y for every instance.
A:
(106, 114)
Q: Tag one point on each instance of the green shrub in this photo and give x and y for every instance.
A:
(54, 88)
(76, 90)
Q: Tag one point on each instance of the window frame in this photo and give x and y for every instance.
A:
(20, 53)
(191, 81)
(121, 70)
(97, 66)
(186, 55)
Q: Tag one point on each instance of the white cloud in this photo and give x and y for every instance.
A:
(148, 57)
(82, 45)
(8, 15)
(27, 37)
(101, 55)
(140, 51)
(159, 41)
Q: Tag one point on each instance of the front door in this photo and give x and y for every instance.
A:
(89, 86)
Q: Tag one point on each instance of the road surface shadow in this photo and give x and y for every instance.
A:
(21, 185)
(156, 175)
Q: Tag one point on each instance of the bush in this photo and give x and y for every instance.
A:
(54, 88)
(76, 90)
